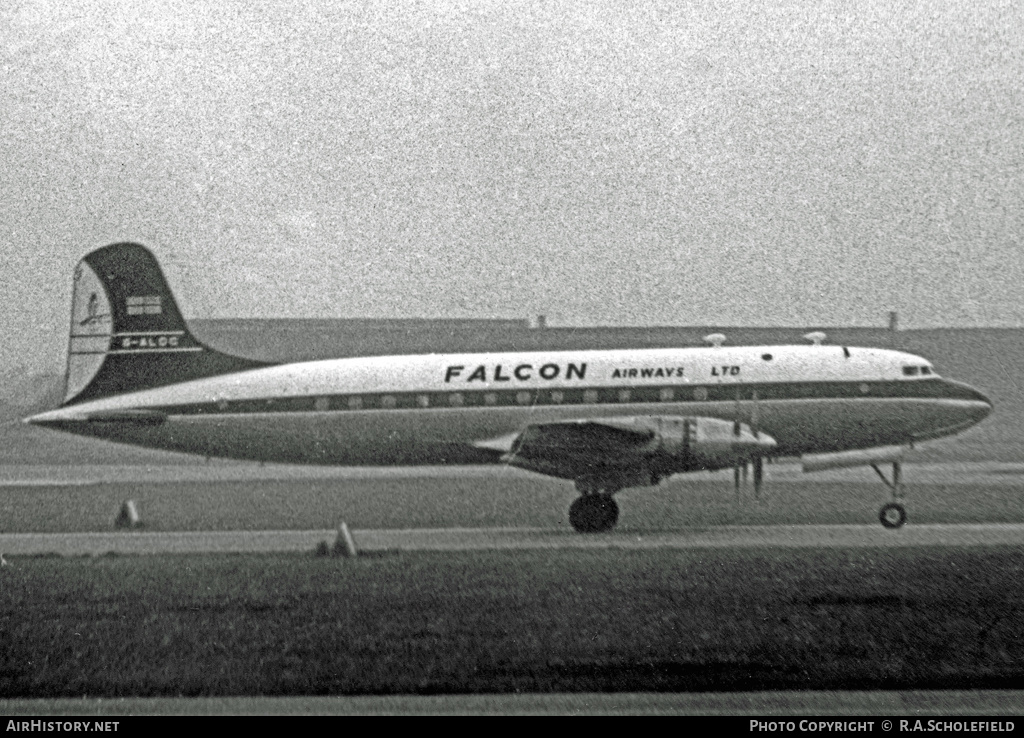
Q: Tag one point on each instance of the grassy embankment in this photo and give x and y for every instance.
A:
(502, 622)
(516, 501)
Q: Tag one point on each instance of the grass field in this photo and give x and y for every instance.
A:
(514, 501)
(604, 621)
(533, 621)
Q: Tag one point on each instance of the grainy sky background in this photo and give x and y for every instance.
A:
(788, 163)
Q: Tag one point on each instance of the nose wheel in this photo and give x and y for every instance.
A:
(893, 514)
(593, 513)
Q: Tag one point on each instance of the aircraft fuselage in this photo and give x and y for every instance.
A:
(436, 408)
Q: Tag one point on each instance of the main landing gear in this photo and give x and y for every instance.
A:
(594, 511)
(892, 514)
(739, 475)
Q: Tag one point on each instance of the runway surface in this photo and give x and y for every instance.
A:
(28, 475)
(470, 539)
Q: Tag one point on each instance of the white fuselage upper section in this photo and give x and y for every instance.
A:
(431, 373)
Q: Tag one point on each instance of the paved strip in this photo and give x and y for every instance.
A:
(25, 475)
(475, 539)
(762, 536)
(163, 542)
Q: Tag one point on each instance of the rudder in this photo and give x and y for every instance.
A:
(127, 332)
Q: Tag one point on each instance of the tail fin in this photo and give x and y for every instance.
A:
(127, 333)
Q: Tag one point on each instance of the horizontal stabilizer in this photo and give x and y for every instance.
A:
(139, 417)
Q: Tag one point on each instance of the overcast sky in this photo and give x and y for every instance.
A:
(786, 163)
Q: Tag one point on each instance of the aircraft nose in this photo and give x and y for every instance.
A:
(976, 406)
(981, 408)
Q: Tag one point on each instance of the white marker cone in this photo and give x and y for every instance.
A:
(345, 545)
(128, 517)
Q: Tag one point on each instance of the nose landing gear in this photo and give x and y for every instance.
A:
(893, 514)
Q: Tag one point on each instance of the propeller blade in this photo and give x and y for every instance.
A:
(754, 416)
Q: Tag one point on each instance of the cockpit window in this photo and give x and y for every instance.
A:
(926, 370)
(910, 371)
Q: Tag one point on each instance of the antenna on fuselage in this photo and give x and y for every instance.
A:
(815, 337)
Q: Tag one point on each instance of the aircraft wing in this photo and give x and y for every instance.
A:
(573, 447)
(634, 451)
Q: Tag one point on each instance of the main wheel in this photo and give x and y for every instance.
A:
(893, 515)
(593, 513)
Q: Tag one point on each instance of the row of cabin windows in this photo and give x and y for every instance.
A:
(520, 398)
(492, 399)
(468, 399)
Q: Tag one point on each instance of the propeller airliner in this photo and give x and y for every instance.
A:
(606, 420)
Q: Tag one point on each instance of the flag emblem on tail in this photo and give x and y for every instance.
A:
(143, 305)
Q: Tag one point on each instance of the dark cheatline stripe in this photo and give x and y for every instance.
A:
(931, 389)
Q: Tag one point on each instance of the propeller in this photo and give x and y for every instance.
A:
(754, 415)
(736, 430)
(758, 460)
(740, 470)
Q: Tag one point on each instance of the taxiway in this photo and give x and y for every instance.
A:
(469, 539)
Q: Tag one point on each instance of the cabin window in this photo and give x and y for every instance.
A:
(911, 371)
(558, 397)
(524, 398)
(700, 394)
(590, 396)
(321, 404)
(624, 395)
(388, 401)
(456, 399)
(423, 400)
(355, 403)
(490, 399)
(666, 394)
(864, 389)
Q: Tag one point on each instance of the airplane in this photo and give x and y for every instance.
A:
(605, 419)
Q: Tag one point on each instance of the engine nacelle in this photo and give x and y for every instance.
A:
(619, 452)
(859, 457)
(691, 444)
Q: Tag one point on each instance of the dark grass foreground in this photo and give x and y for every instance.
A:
(503, 622)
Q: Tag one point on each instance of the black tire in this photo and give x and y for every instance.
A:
(892, 515)
(593, 513)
